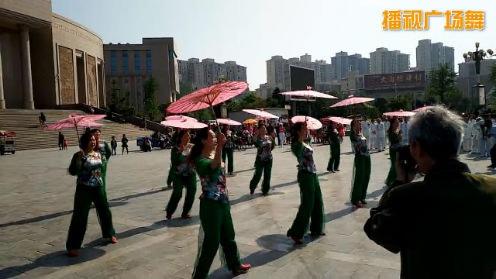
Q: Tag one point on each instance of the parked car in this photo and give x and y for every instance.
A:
(7, 142)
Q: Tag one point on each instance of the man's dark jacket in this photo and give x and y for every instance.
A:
(444, 226)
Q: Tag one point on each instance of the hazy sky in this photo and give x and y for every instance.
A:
(251, 31)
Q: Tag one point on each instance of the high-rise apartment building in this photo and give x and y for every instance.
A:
(431, 55)
(384, 61)
(343, 64)
(207, 72)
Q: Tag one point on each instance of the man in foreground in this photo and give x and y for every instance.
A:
(443, 226)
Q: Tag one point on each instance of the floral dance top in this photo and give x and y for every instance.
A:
(213, 181)
(304, 155)
(88, 168)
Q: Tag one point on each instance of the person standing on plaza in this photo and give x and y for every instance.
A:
(467, 136)
(395, 139)
(311, 209)
(42, 118)
(361, 166)
(113, 145)
(335, 146)
(443, 226)
(228, 151)
(87, 165)
(215, 213)
(341, 132)
(477, 135)
(373, 135)
(381, 135)
(404, 131)
(263, 162)
(124, 142)
(61, 141)
(184, 176)
(282, 134)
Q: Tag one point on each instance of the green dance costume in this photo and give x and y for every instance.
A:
(394, 144)
(90, 188)
(335, 145)
(311, 207)
(263, 164)
(183, 176)
(361, 168)
(215, 217)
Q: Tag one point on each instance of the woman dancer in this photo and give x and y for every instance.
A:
(361, 166)
(335, 145)
(87, 166)
(311, 207)
(183, 176)
(263, 163)
(215, 213)
(394, 136)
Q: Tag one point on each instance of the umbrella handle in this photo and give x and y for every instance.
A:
(215, 116)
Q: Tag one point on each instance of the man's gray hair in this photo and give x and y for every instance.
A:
(438, 131)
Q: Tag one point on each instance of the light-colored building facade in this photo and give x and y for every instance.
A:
(431, 55)
(129, 66)
(384, 61)
(47, 60)
(198, 74)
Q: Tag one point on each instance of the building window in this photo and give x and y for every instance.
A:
(148, 61)
(125, 62)
(113, 62)
(137, 61)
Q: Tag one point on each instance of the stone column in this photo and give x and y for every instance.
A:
(2, 97)
(27, 77)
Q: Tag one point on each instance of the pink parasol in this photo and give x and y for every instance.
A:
(422, 108)
(352, 101)
(184, 124)
(399, 113)
(180, 117)
(308, 94)
(312, 123)
(227, 121)
(262, 114)
(208, 97)
(340, 120)
(77, 121)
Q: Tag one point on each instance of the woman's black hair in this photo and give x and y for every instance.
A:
(390, 129)
(179, 136)
(295, 129)
(94, 130)
(197, 149)
(84, 141)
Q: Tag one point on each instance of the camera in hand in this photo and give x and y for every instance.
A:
(405, 159)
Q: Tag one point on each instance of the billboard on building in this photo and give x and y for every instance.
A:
(301, 79)
(406, 80)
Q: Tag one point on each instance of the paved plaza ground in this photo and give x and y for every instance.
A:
(36, 201)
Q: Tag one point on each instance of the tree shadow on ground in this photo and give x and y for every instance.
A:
(115, 202)
(52, 215)
(55, 259)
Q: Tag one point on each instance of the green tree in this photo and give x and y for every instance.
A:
(151, 107)
(442, 86)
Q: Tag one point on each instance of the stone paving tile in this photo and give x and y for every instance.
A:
(36, 204)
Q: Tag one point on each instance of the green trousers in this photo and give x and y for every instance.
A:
(264, 168)
(391, 178)
(83, 198)
(228, 152)
(311, 206)
(361, 177)
(180, 182)
(216, 228)
(170, 176)
(335, 157)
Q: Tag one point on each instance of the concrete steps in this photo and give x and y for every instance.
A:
(31, 136)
